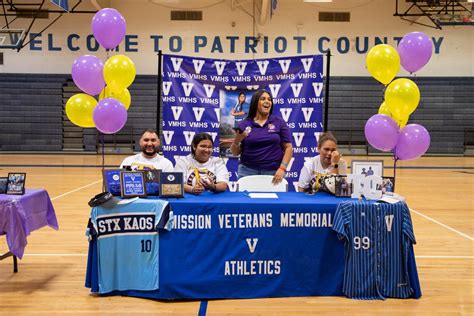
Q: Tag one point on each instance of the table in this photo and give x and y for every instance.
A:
(22, 214)
(229, 245)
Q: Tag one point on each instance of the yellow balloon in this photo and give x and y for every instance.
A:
(119, 72)
(383, 63)
(401, 121)
(123, 96)
(79, 109)
(383, 109)
(402, 97)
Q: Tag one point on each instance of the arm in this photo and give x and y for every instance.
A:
(222, 177)
(125, 162)
(280, 173)
(220, 186)
(237, 110)
(181, 166)
(197, 189)
(235, 146)
(335, 159)
(305, 178)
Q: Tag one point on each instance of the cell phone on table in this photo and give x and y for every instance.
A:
(237, 130)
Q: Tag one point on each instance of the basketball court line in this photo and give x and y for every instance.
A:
(75, 190)
(443, 225)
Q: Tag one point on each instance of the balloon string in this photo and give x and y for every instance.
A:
(103, 157)
(395, 159)
(105, 88)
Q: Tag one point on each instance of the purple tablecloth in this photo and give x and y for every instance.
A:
(22, 214)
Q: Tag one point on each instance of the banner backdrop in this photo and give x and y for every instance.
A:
(200, 95)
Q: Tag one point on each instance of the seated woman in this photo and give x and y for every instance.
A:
(201, 171)
(328, 162)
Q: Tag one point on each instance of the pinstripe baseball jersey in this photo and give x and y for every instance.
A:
(128, 244)
(377, 237)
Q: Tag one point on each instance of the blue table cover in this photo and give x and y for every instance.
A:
(228, 245)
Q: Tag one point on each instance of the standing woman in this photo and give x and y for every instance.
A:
(201, 171)
(262, 141)
(328, 162)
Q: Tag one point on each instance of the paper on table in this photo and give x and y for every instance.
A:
(263, 195)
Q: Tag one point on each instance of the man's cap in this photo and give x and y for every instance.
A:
(104, 199)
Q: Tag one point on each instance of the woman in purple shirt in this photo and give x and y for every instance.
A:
(262, 141)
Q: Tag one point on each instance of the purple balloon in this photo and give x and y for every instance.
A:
(109, 116)
(415, 51)
(413, 141)
(87, 73)
(108, 27)
(381, 131)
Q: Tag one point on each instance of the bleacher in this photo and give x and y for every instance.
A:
(445, 109)
(32, 114)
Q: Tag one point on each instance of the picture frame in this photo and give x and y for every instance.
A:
(171, 185)
(343, 188)
(367, 167)
(152, 181)
(16, 183)
(3, 185)
(234, 109)
(111, 178)
(388, 185)
(132, 184)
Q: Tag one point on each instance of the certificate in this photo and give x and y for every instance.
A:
(132, 184)
(171, 184)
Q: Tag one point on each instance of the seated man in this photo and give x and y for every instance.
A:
(149, 157)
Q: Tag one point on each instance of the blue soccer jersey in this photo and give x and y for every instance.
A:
(128, 243)
(377, 238)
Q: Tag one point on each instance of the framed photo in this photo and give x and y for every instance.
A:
(234, 105)
(152, 181)
(16, 183)
(388, 185)
(171, 184)
(112, 181)
(3, 185)
(343, 187)
(132, 184)
(367, 167)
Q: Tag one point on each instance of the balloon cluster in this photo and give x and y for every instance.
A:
(387, 130)
(109, 81)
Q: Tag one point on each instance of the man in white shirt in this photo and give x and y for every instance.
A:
(149, 157)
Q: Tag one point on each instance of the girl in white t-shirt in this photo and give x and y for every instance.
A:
(328, 162)
(201, 171)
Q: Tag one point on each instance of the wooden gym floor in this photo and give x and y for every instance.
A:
(439, 190)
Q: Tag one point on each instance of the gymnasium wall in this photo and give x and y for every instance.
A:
(35, 82)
